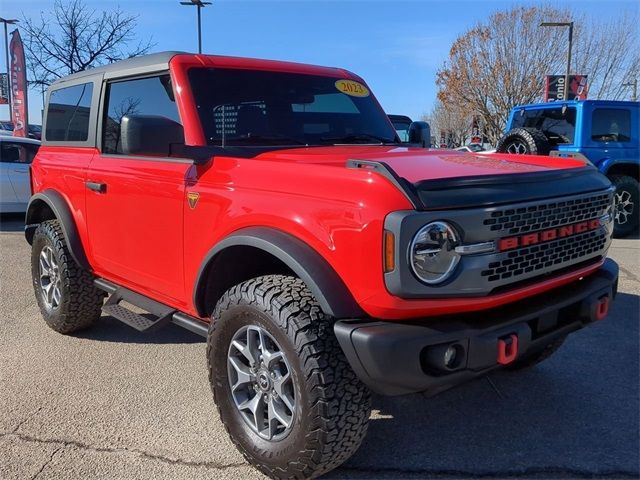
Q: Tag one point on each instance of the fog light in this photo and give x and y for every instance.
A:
(443, 358)
(451, 356)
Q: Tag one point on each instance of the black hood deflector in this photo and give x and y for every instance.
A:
(491, 190)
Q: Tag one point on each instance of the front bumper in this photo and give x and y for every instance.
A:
(398, 358)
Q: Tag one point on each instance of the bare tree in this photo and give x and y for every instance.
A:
(112, 132)
(72, 38)
(451, 122)
(609, 52)
(502, 63)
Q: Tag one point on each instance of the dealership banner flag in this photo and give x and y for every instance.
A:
(18, 72)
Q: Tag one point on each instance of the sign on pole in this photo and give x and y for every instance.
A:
(4, 89)
(554, 88)
(18, 72)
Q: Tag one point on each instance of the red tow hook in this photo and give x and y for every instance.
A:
(603, 307)
(507, 349)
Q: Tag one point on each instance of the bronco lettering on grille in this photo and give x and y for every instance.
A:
(510, 243)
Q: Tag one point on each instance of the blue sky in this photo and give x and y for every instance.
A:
(397, 46)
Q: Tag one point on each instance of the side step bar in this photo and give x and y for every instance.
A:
(158, 316)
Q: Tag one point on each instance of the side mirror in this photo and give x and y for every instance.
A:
(151, 135)
(420, 134)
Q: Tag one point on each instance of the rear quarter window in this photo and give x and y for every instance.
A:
(611, 125)
(68, 114)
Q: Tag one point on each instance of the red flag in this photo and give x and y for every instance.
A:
(18, 72)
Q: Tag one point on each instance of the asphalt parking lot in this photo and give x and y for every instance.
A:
(113, 403)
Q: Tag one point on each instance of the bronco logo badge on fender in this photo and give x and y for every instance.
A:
(192, 198)
(510, 243)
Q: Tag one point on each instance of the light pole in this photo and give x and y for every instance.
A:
(6, 22)
(568, 72)
(199, 4)
(634, 85)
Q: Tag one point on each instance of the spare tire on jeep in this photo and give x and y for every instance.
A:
(524, 141)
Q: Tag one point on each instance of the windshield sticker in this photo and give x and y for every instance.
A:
(352, 88)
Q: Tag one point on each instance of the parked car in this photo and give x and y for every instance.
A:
(401, 123)
(607, 133)
(322, 259)
(16, 154)
(6, 128)
(34, 131)
(472, 147)
(415, 134)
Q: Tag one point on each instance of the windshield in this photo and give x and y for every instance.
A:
(262, 108)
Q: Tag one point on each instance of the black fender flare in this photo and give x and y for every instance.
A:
(325, 284)
(60, 208)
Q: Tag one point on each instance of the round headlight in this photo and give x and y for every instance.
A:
(432, 252)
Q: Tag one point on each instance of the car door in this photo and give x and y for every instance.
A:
(7, 195)
(135, 203)
(20, 155)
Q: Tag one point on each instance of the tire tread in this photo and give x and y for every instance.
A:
(340, 403)
(81, 307)
(536, 140)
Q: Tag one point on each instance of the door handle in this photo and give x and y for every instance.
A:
(96, 187)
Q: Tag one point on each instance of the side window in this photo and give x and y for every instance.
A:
(68, 114)
(611, 125)
(144, 96)
(14, 152)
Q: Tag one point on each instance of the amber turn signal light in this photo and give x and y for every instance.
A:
(389, 251)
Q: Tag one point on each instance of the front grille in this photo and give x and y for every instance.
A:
(546, 256)
(513, 221)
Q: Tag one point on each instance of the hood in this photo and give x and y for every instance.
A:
(446, 179)
(419, 164)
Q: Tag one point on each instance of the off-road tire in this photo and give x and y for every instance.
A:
(81, 301)
(535, 358)
(533, 140)
(332, 405)
(625, 183)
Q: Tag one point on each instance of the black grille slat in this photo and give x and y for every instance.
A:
(548, 215)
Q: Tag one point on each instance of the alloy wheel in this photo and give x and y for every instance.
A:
(261, 383)
(517, 148)
(624, 206)
(50, 279)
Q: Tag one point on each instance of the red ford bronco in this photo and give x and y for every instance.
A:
(269, 207)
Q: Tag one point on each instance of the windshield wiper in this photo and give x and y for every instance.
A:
(358, 138)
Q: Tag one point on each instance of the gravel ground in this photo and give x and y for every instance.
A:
(114, 403)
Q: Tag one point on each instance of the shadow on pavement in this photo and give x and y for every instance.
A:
(11, 222)
(108, 329)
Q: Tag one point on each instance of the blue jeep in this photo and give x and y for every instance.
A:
(605, 132)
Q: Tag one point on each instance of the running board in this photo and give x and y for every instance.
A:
(158, 315)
